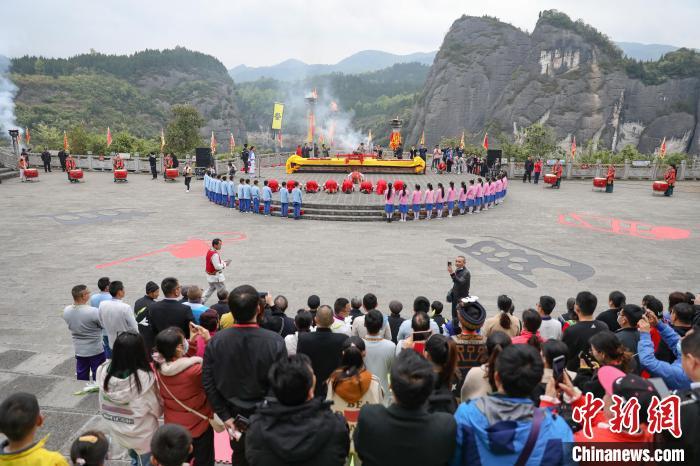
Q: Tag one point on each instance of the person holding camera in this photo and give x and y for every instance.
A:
(461, 279)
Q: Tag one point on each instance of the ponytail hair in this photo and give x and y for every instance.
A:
(505, 305)
(403, 191)
(389, 190)
(495, 343)
(614, 352)
(464, 186)
(443, 352)
(351, 361)
(442, 189)
(532, 322)
(430, 186)
(417, 187)
(452, 184)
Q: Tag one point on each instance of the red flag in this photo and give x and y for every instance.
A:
(662, 149)
(212, 143)
(232, 143)
(485, 144)
(65, 141)
(279, 138)
(573, 148)
(27, 136)
(109, 137)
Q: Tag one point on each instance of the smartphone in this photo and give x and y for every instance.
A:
(241, 423)
(558, 368)
(449, 263)
(588, 359)
(262, 294)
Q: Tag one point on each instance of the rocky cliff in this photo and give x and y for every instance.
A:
(489, 75)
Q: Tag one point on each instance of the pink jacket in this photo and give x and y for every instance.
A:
(492, 188)
(505, 182)
(438, 196)
(471, 191)
(463, 195)
(390, 199)
(417, 196)
(403, 198)
(479, 190)
(451, 194)
(499, 186)
(429, 196)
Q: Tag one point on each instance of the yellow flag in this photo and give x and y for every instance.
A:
(277, 112)
(422, 138)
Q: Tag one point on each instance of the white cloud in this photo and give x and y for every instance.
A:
(316, 31)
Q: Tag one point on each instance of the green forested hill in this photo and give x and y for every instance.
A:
(127, 93)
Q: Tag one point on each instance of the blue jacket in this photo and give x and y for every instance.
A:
(672, 374)
(246, 191)
(493, 430)
(284, 195)
(255, 192)
(266, 193)
(240, 191)
(296, 195)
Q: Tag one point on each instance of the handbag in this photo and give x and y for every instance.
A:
(215, 422)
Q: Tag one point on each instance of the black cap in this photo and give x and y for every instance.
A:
(151, 287)
(472, 312)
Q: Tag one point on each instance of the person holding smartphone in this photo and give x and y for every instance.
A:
(461, 279)
(214, 268)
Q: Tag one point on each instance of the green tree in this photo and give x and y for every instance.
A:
(182, 134)
(123, 142)
(79, 139)
(539, 140)
(44, 135)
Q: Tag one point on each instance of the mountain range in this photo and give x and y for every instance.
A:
(373, 60)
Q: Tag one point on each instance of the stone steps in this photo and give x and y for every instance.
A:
(7, 173)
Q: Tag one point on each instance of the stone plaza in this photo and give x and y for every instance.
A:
(540, 241)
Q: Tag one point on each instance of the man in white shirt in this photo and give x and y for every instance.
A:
(86, 330)
(369, 302)
(214, 268)
(117, 316)
(341, 317)
(550, 328)
(420, 304)
(379, 352)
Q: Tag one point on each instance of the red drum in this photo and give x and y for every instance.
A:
(381, 186)
(600, 182)
(31, 173)
(660, 186)
(120, 175)
(274, 185)
(398, 185)
(550, 178)
(171, 173)
(291, 184)
(366, 187)
(76, 174)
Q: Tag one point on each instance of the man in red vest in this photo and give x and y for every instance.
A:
(214, 267)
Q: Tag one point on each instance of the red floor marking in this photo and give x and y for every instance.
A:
(190, 249)
(623, 227)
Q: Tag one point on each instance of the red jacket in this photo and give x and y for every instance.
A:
(183, 377)
(670, 176)
(538, 166)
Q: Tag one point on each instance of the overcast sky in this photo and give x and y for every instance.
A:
(265, 32)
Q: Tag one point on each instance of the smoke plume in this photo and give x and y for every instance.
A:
(7, 99)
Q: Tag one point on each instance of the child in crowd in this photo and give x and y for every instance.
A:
(247, 206)
(241, 204)
(429, 197)
(499, 190)
(416, 201)
(451, 195)
(550, 329)
(436, 315)
(403, 203)
(395, 319)
(439, 199)
(20, 418)
(389, 202)
(90, 449)
(462, 199)
(266, 198)
(284, 200)
(255, 196)
(471, 197)
(171, 446)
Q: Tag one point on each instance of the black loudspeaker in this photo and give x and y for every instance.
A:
(204, 158)
(493, 156)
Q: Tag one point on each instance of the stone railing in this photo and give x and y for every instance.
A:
(627, 171)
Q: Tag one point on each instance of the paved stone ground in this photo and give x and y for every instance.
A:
(55, 235)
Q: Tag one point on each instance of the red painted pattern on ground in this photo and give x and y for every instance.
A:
(190, 249)
(623, 227)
